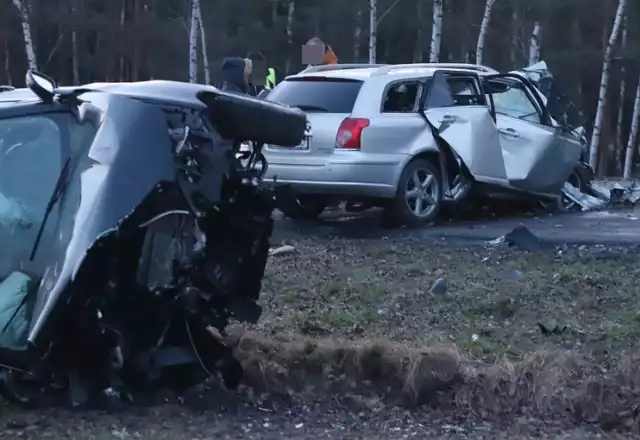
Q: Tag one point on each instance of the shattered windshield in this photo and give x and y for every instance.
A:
(33, 150)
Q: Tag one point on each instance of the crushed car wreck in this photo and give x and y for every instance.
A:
(130, 228)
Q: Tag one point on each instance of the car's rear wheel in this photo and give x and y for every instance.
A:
(303, 207)
(418, 198)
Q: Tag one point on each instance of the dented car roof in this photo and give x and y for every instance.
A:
(170, 92)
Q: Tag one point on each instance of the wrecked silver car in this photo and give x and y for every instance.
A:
(416, 138)
(516, 148)
(131, 231)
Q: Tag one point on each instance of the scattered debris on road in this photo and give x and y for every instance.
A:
(601, 195)
(284, 249)
(524, 239)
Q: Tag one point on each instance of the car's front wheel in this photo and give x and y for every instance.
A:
(565, 204)
(418, 198)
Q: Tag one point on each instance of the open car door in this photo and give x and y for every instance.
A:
(538, 155)
(456, 108)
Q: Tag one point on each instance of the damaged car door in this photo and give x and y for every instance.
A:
(456, 107)
(539, 157)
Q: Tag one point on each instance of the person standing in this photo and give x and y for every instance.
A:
(235, 75)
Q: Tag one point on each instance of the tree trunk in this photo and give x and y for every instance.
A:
(7, 58)
(74, 58)
(621, 97)
(515, 37)
(123, 16)
(23, 10)
(193, 43)
(373, 32)
(436, 31)
(291, 13)
(418, 50)
(633, 134)
(75, 63)
(203, 44)
(135, 57)
(357, 35)
(484, 27)
(604, 84)
(534, 44)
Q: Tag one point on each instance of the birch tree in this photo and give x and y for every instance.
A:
(7, 59)
(123, 17)
(23, 10)
(436, 31)
(633, 134)
(484, 27)
(623, 89)
(515, 37)
(291, 13)
(534, 44)
(418, 49)
(604, 84)
(75, 62)
(357, 32)
(193, 43)
(373, 32)
(203, 44)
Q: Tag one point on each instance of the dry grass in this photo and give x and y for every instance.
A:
(356, 318)
(350, 330)
(558, 384)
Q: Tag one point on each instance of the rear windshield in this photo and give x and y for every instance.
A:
(322, 95)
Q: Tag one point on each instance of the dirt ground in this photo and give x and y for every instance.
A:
(394, 339)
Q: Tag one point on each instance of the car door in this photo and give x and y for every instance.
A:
(457, 110)
(539, 157)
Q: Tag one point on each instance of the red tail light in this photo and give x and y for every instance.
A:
(349, 133)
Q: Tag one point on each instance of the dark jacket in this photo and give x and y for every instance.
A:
(232, 70)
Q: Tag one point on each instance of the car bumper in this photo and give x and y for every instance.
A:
(351, 174)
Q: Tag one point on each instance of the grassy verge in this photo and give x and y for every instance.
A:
(554, 335)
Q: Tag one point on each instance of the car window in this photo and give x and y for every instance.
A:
(32, 153)
(317, 94)
(465, 91)
(401, 98)
(513, 100)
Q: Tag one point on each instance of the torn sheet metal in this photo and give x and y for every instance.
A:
(601, 195)
(560, 107)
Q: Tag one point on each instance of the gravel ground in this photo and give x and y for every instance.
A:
(275, 419)
(502, 333)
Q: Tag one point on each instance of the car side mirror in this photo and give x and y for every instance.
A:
(40, 84)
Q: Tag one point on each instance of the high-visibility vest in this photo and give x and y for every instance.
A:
(270, 82)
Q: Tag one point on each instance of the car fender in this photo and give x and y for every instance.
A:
(434, 147)
(425, 150)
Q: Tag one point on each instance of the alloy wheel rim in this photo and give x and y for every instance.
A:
(421, 193)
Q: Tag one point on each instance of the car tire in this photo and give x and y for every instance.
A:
(403, 207)
(247, 118)
(303, 207)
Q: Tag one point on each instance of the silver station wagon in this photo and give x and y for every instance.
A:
(412, 138)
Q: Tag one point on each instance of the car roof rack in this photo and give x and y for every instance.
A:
(6, 88)
(328, 67)
(384, 70)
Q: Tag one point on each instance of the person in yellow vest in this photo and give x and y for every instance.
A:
(270, 81)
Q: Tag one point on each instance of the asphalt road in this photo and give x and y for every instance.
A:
(615, 227)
